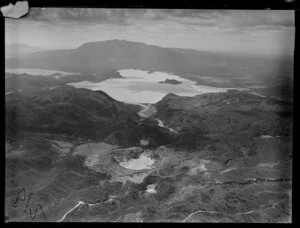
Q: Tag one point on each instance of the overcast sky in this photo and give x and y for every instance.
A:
(260, 31)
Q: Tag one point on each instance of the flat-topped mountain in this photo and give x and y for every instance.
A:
(94, 57)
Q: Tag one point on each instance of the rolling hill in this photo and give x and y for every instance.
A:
(66, 110)
(231, 113)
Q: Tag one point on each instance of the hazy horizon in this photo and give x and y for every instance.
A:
(234, 31)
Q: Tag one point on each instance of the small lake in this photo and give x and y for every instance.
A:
(143, 162)
(139, 86)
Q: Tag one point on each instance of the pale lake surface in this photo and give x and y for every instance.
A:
(139, 86)
(143, 162)
(135, 87)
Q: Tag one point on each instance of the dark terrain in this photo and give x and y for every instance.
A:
(171, 81)
(227, 134)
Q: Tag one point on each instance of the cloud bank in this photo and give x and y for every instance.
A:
(226, 18)
(236, 30)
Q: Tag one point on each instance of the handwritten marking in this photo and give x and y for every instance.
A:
(21, 197)
(29, 198)
(20, 193)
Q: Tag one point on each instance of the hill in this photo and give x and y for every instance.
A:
(231, 113)
(66, 110)
(170, 81)
(26, 82)
(79, 113)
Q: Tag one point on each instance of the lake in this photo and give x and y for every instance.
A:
(136, 86)
(139, 86)
(143, 162)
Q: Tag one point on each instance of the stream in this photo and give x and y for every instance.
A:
(148, 111)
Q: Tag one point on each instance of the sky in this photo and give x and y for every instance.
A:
(242, 31)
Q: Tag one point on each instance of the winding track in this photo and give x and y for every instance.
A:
(78, 204)
(220, 212)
